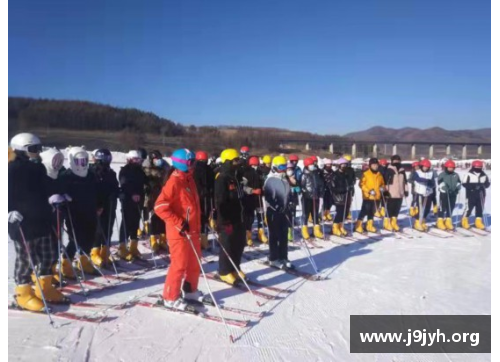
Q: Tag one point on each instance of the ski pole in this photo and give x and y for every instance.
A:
(483, 201)
(450, 211)
(59, 245)
(104, 237)
(308, 252)
(205, 278)
(150, 243)
(35, 271)
(76, 243)
(409, 216)
(263, 215)
(322, 201)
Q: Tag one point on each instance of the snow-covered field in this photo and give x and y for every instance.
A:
(428, 275)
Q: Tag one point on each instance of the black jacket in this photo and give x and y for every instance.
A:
(339, 187)
(83, 192)
(312, 184)
(476, 183)
(205, 179)
(107, 186)
(132, 180)
(228, 195)
(253, 180)
(28, 195)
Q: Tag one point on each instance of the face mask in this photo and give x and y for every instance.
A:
(311, 168)
(335, 168)
(289, 173)
(158, 162)
(396, 164)
(255, 167)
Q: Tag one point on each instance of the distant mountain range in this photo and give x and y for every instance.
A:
(435, 134)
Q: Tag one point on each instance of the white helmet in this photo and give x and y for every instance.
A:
(23, 141)
(53, 161)
(321, 163)
(218, 161)
(79, 161)
(134, 156)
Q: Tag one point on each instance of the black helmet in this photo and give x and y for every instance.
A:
(155, 154)
(103, 155)
(143, 152)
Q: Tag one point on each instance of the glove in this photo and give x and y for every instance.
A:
(121, 196)
(257, 191)
(296, 189)
(244, 181)
(442, 188)
(382, 189)
(459, 186)
(15, 217)
(68, 198)
(136, 198)
(57, 199)
(184, 228)
(228, 229)
(372, 193)
(247, 190)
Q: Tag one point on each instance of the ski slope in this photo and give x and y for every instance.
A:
(427, 275)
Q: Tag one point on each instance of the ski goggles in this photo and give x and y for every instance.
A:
(34, 148)
(57, 162)
(104, 158)
(81, 162)
(281, 168)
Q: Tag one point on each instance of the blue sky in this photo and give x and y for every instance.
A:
(332, 66)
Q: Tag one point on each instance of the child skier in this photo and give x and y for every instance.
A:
(398, 188)
(340, 191)
(424, 184)
(372, 185)
(415, 166)
(449, 186)
(178, 206)
(278, 194)
(312, 187)
(294, 197)
(327, 175)
(204, 178)
(475, 182)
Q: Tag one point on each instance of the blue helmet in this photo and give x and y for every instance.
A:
(182, 159)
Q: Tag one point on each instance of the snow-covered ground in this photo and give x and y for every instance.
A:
(428, 275)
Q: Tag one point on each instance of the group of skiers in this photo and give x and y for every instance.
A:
(181, 203)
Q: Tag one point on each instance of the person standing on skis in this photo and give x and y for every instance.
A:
(178, 206)
(327, 175)
(475, 182)
(265, 168)
(449, 186)
(107, 194)
(230, 220)
(156, 175)
(204, 178)
(278, 197)
(340, 191)
(312, 188)
(415, 166)
(398, 188)
(30, 222)
(294, 197)
(252, 201)
(425, 184)
(383, 164)
(351, 179)
(132, 181)
(372, 185)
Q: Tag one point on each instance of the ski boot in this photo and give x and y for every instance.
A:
(262, 236)
(288, 264)
(310, 220)
(198, 296)
(387, 224)
(211, 222)
(204, 241)
(394, 223)
(178, 304)
(327, 216)
(228, 278)
(83, 264)
(26, 299)
(413, 211)
(317, 232)
(239, 275)
(435, 209)
(342, 230)
(305, 232)
(290, 234)
(66, 269)
(132, 248)
(51, 294)
(105, 255)
(95, 256)
(420, 226)
(163, 242)
(276, 264)
(146, 228)
(449, 223)
(440, 224)
(370, 227)
(465, 223)
(479, 223)
(378, 213)
(359, 227)
(336, 230)
(349, 216)
(249, 238)
(139, 233)
(123, 253)
(155, 243)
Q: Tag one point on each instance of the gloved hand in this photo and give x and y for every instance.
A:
(68, 198)
(372, 193)
(57, 199)
(257, 192)
(244, 181)
(184, 228)
(136, 198)
(247, 190)
(228, 229)
(459, 186)
(442, 188)
(296, 189)
(382, 189)
(15, 216)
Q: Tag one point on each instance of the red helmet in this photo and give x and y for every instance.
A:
(201, 156)
(477, 164)
(415, 164)
(450, 164)
(293, 158)
(308, 161)
(383, 162)
(425, 163)
(244, 149)
(314, 158)
(253, 161)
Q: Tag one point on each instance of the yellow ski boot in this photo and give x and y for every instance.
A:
(435, 209)
(317, 232)
(51, 294)
(440, 224)
(155, 243)
(370, 227)
(342, 230)
(419, 226)
(327, 216)
(132, 248)
(479, 223)
(105, 255)
(387, 224)
(228, 278)
(123, 253)
(449, 223)
(83, 264)
(163, 242)
(394, 223)
(359, 227)
(95, 256)
(465, 223)
(26, 299)
(305, 232)
(249, 238)
(336, 230)
(262, 236)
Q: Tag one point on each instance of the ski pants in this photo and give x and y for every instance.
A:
(342, 209)
(368, 208)
(394, 207)
(475, 202)
(234, 243)
(105, 224)
(83, 226)
(131, 219)
(327, 201)
(433, 197)
(311, 207)
(446, 208)
(42, 251)
(183, 266)
(249, 217)
(278, 235)
(424, 203)
(157, 225)
(414, 199)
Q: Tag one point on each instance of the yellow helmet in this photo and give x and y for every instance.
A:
(279, 161)
(12, 154)
(348, 157)
(266, 159)
(229, 155)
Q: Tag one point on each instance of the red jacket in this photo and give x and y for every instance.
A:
(179, 194)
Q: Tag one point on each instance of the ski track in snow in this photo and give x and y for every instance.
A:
(429, 275)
